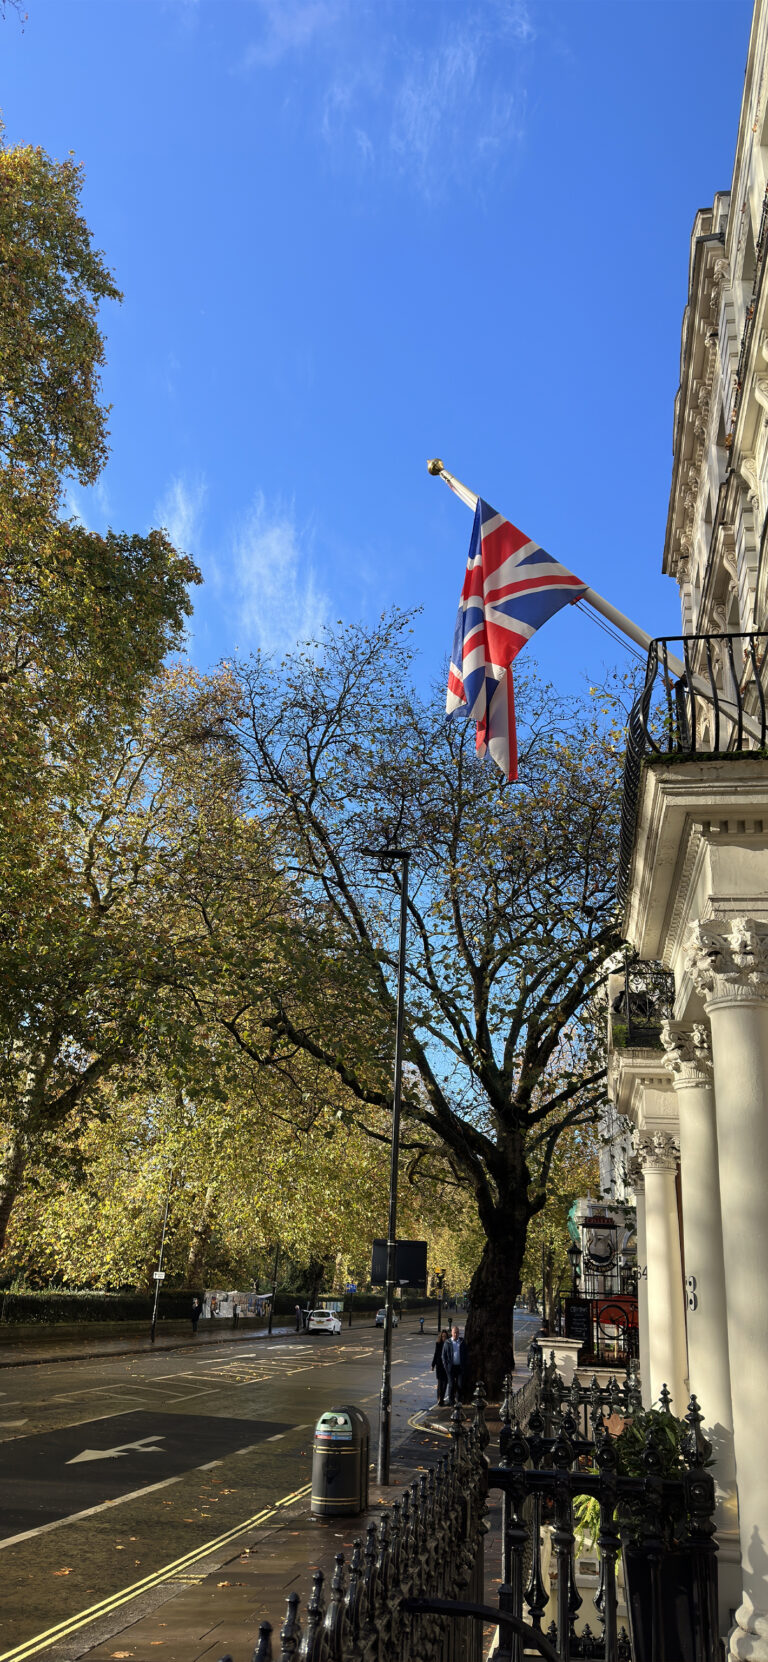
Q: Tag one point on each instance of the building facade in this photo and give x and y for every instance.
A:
(695, 886)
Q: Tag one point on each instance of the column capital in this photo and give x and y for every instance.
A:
(687, 1053)
(728, 961)
(657, 1152)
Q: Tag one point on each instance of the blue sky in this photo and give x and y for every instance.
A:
(352, 236)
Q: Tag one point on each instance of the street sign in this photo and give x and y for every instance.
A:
(158, 1275)
(410, 1263)
(351, 1287)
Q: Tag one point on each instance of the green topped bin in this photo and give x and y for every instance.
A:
(340, 1463)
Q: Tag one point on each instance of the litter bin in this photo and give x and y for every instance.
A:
(340, 1455)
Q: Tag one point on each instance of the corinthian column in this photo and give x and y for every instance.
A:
(636, 1177)
(729, 965)
(689, 1059)
(666, 1315)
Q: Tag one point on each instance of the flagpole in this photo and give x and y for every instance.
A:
(620, 621)
(592, 598)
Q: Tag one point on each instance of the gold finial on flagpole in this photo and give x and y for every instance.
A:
(435, 466)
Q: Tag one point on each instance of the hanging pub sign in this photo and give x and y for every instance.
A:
(600, 1243)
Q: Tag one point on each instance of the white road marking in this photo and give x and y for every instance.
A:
(88, 1512)
(144, 1445)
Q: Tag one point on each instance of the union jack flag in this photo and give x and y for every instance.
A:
(511, 587)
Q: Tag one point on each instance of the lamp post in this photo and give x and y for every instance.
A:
(385, 1410)
(159, 1273)
(274, 1288)
(440, 1276)
(574, 1254)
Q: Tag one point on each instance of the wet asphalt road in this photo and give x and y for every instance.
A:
(110, 1469)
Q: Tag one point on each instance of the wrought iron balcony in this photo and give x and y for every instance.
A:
(718, 707)
(641, 998)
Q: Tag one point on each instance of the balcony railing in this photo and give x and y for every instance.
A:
(718, 707)
(642, 1004)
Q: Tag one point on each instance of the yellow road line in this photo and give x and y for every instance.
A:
(41, 1641)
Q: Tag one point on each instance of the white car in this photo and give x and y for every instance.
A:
(323, 1321)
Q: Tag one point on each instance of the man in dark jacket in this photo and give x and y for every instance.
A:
(455, 1364)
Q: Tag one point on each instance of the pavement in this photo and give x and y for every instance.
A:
(204, 1595)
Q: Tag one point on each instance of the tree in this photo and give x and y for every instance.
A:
(575, 1172)
(85, 620)
(510, 917)
(104, 941)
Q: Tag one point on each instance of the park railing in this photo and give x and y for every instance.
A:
(413, 1590)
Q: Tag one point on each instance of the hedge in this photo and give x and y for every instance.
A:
(59, 1306)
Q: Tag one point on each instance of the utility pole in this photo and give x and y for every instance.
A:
(440, 1275)
(159, 1273)
(385, 1409)
(274, 1289)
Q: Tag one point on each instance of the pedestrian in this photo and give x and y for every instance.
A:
(455, 1364)
(441, 1377)
(197, 1310)
(298, 1318)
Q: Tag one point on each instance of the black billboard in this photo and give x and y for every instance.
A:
(410, 1263)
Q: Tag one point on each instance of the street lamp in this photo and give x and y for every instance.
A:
(440, 1277)
(574, 1254)
(385, 1409)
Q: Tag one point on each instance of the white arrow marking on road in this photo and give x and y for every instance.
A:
(145, 1445)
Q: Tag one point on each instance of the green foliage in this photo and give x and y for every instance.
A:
(55, 1305)
(650, 1428)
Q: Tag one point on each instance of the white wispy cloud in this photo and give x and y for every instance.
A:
(429, 113)
(180, 510)
(288, 26)
(278, 598)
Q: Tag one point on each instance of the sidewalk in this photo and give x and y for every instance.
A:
(19, 1353)
(212, 1610)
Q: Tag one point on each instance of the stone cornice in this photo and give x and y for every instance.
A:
(692, 405)
(728, 962)
(684, 807)
(687, 1054)
(633, 1071)
(658, 1152)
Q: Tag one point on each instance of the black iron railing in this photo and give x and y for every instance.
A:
(546, 1395)
(717, 707)
(660, 1519)
(414, 1591)
(644, 1003)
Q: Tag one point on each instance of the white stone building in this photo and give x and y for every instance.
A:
(695, 885)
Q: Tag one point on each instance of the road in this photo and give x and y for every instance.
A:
(114, 1470)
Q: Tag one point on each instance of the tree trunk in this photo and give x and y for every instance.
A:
(201, 1235)
(490, 1321)
(12, 1166)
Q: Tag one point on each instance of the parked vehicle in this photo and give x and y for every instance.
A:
(323, 1321)
(381, 1317)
